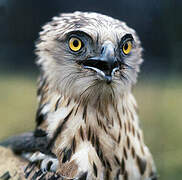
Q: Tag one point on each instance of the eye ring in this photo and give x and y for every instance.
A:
(75, 44)
(126, 47)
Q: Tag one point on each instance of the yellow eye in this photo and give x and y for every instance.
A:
(127, 47)
(75, 44)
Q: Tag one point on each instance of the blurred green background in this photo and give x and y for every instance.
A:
(159, 88)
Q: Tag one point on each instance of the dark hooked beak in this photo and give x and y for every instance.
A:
(105, 64)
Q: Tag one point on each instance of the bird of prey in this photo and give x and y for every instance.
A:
(87, 114)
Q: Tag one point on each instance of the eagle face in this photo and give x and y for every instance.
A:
(91, 53)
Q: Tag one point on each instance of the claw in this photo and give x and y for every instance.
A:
(30, 166)
(37, 174)
(49, 164)
(46, 164)
(42, 177)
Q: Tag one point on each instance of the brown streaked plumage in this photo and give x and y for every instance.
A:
(86, 106)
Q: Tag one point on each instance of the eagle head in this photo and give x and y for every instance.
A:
(89, 55)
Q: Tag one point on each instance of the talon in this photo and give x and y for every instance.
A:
(37, 174)
(27, 175)
(42, 177)
(28, 166)
(32, 166)
(44, 162)
(49, 164)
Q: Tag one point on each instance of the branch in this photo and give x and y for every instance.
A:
(11, 165)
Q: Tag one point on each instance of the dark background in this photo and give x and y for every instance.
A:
(158, 24)
(158, 91)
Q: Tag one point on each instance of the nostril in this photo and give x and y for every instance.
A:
(102, 50)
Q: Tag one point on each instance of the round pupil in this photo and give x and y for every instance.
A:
(75, 43)
(126, 46)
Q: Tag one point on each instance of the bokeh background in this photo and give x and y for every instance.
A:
(158, 92)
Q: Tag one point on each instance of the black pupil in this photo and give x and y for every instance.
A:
(126, 46)
(75, 43)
